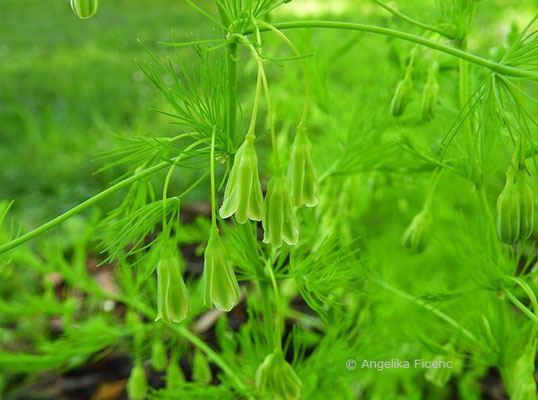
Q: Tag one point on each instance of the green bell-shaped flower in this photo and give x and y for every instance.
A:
(158, 355)
(401, 97)
(417, 233)
(526, 226)
(243, 195)
(174, 375)
(172, 300)
(276, 379)
(523, 383)
(509, 211)
(219, 282)
(201, 372)
(279, 222)
(301, 172)
(84, 8)
(137, 386)
(430, 95)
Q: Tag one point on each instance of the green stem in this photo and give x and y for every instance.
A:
(492, 65)
(213, 188)
(252, 128)
(169, 177)
(290, 44)
(464, 100)
(278, 328)
(231, 97)
(451, 321)
(404, 17)
(81, 207)
(520, 305)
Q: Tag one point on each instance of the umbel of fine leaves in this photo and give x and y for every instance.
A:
(301, 172)
(243, 195)
(280, 222)
(172, 300)
(219, 282)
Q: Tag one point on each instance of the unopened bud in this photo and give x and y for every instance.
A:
(219, 282)
(243, 195)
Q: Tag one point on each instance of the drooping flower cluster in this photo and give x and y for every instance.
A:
(404, 91)
(243, 196)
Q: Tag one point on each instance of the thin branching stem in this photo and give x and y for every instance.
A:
(410, 20)
(484, 62)
(451, 321)
(290, 44)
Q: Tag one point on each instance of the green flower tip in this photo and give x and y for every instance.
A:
(416, 235)
(515, 210)
(172, 299)
(84, 9)
(243, 195)
(137, 386)
(402, 96)
(219, 282)
(276, 378)
(280, 222)
(301, 171)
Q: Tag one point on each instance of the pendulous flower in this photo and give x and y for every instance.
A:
(280, 222)
(219, 282)
(430, 95)
(301, 171)
(402, 95)
(509, 211)
(243, 195)
(137, 386)
(275, 378)
(416, 235)
(172, 300)
(84, 8)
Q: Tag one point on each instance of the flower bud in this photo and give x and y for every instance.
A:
(416, 235)
(137, 386)
(84, 8)
(402, 95)
(276, 379)
(172, 300)
(200, 368)
(174, 376)
(429, 95)
(526, 226)
(243, 194)
(301, 172)
(523, 383)
(158, 355)
(279, 221)
(509, 211)
(219, 282)
(439, 376)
